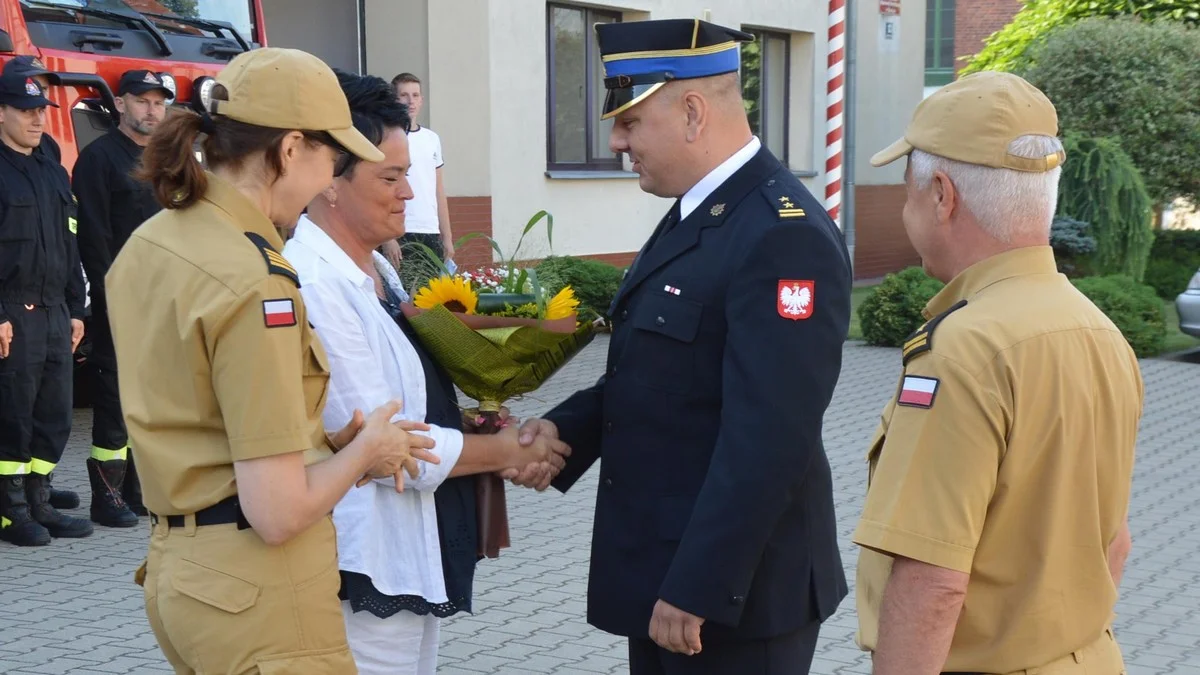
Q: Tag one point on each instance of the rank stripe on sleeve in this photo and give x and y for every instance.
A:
(921, 340)
(276, 263)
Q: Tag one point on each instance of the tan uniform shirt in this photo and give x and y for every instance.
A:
(1007, 453)
(217, 361)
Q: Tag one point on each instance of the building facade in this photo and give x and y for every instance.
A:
(513, 87)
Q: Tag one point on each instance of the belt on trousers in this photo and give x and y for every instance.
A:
(226, 511)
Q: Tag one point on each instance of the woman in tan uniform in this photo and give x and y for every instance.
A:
(223, 381)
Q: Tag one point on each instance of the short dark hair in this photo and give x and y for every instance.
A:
(403, 78)
(374, 111)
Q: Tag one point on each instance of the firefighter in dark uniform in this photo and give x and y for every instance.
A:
(41, 317)
(111, 204)
(715, 544)
(33, 67)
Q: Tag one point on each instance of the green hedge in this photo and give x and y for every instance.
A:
(595, 283)
(1135, 308)
(1174, 259)
(893, 310)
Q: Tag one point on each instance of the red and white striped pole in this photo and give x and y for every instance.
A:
(835, 92)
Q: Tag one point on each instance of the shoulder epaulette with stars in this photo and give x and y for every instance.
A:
(921, 340)
(782, 202)
(276, 263)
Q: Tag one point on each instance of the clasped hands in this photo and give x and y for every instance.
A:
(396, 449)
(540, 456)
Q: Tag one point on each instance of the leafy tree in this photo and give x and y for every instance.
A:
(1100, 185)
(1005, 48)
(1135, 82)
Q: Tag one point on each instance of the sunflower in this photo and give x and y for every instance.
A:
(562, 305)
(453, 292)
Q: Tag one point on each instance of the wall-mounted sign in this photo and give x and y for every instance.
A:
(889, 7)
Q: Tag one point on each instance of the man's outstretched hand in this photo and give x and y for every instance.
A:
(538, 474)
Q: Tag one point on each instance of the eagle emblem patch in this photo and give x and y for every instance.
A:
(795, 299)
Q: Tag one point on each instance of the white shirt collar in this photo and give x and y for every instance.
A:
(700, 191)
(311, 235)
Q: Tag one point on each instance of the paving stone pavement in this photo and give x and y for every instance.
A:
(72, 607)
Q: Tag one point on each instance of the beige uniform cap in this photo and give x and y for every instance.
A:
(290, 89)
(974, 120)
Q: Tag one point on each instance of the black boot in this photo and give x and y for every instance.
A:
(38, 492)
(17, 526)
(62, 499)
(131, 489)
(108, 508)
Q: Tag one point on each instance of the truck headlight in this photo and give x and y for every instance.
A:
(168, 81)
(202, 93)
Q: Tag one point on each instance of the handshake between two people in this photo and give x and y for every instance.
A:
(527, 456)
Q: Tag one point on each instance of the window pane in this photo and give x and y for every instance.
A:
(569, 115)
(601, 128)
(930, 58)
(947, 56)
(948, 20)
(776, 104)
(752, 82)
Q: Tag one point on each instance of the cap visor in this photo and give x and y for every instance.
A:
(137, 91)
(619, 100)
(357, 144)
(30, 102)
(892, 153)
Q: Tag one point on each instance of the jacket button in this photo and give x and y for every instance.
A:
(737, 599)
(624, 314)
(607, 482)
(660, 321)
(608, 426)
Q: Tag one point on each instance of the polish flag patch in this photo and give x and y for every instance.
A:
(918, 392)
(279, 313)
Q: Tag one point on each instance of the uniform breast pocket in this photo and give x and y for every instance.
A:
(19, 218)
(662, 351)
(316, 376)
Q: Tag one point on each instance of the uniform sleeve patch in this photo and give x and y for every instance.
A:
(918, 392)
(795, 299)
(279, 313)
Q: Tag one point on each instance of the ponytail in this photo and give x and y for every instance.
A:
(169, 161)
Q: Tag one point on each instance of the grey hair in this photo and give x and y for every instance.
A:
(1005, 202)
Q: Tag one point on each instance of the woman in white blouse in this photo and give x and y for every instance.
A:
(390, 545)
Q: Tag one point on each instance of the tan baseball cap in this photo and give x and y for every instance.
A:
(290, 89)
(974, 119)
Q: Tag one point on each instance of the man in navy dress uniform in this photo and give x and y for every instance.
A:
(715, 543)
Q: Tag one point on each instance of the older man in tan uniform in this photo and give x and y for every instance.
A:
(994, 529)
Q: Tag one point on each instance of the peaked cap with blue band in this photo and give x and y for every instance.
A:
(639, 57)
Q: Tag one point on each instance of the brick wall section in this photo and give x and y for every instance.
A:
(975, 20)
(881, 246)
(468, 215)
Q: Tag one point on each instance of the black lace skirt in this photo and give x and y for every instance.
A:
(364, 597)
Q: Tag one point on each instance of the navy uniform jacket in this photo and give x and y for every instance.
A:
(39, 260)
(715, 492)
(112, 204)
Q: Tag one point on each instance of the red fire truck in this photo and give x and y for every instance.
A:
(87, 44)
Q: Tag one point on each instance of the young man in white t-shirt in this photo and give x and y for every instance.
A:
(427, 214)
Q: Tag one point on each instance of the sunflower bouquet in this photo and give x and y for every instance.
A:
(497, 342)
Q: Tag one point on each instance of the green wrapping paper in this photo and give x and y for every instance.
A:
(493, 365)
